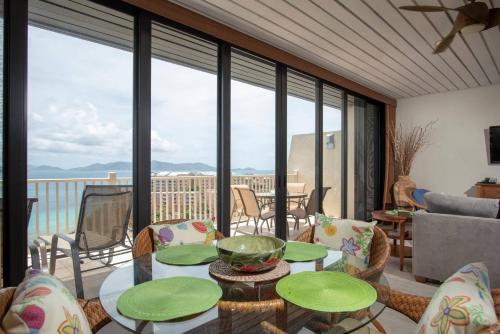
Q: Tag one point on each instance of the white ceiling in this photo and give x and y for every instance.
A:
(369, 41)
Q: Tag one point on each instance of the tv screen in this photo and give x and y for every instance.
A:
(495, 144)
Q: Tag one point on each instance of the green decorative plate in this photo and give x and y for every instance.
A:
(185, 255)
(326, 291)
(169, 298)
(303, 252)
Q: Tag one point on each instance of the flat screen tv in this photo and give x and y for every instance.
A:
(495, 144)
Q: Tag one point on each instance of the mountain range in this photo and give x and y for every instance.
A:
(156, 166)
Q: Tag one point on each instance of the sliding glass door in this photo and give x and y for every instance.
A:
(183, 125)
(80, 111)
(252, 142)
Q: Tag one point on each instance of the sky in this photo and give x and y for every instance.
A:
(80, 109)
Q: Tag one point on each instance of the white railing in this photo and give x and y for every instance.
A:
(191, 197)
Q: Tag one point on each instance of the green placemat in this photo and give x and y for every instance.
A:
(303, 251)
(169, 298)
(185, 255)
(326, 291)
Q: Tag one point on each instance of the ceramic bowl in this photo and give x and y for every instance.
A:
(249, 253)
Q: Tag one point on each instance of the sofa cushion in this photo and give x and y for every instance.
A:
(42, 304)
(189, 232)
(352, 237)
(462, 304)
(461, 205)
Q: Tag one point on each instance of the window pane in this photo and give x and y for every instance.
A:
(332, 150)
(80, 89)
(183, 125)
(301, 128)
(252, 134)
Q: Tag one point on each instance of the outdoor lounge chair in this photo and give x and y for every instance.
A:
(102, 226)
(237, 205)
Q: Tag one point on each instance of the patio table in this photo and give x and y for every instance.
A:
(288, 317)
(268, 197)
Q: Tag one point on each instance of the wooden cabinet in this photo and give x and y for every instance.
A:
(485, 190)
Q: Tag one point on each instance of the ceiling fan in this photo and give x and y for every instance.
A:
(472, 17)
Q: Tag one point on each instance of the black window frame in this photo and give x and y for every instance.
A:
(15, 131)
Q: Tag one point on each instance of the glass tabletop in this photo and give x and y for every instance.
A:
(287, 317)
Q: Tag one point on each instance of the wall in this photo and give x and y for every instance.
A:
(301, 160)
(457, 156)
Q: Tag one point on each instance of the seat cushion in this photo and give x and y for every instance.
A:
(352, 237)
(463, 304)
(42, 304)
(189, 232)
(461, 205)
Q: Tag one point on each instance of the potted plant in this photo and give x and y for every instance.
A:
(406, 145)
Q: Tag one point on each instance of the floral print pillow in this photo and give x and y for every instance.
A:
(462, 304)
(189, 232)
(42, 304)
(352, 237)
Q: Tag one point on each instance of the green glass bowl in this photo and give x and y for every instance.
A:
(249, 253)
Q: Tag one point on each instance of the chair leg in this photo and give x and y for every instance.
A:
(77, 272)
(308, 221)
(256, 231)
(236, 229)
(53, 254)
(296, 225)
(110, 256)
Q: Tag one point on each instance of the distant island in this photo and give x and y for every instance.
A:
(156, 166)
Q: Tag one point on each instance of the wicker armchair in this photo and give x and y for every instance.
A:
(414, 306)
(143, 242)
(379, 252)
(96, 316)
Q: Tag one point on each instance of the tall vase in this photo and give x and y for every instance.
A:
(403, 188)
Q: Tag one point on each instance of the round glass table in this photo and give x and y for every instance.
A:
(236, 317)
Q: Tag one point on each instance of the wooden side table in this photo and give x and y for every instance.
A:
(401, 222)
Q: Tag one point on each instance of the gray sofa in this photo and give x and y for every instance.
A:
(455, 231)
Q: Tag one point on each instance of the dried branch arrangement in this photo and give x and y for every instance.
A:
(406, 145)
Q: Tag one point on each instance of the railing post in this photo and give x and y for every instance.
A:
(112, 178)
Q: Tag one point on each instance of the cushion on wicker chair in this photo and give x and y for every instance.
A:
(463, 304)
(42, 304)
(352, 237)
(189, 232)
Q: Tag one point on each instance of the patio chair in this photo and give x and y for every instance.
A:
(102, 225)
(252, 209)
(309, 210)
(379, 251)
(237, 205)
(144, 242)
(96, 316)
(295, 188)
(414, 306)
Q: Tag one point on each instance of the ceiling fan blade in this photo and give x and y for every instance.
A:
(425, 8)
(493, 18)
(460, 22)
(444, 43)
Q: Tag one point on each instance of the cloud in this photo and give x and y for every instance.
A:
(159, 144)
(78, 128)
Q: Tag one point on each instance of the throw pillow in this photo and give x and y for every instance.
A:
(352, 237)
(462, 305)
(42, 304)
(189, 232)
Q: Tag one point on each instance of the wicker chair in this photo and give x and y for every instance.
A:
(96, 316)
(144, 244)
(414, 306)
(379, 252)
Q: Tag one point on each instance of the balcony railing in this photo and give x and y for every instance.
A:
(191, 197)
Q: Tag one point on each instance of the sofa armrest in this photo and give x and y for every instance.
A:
(444, 243)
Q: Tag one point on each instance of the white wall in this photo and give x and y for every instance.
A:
(457, 157)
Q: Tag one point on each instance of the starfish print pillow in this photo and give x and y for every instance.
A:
(352, 237)
(462, 304)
